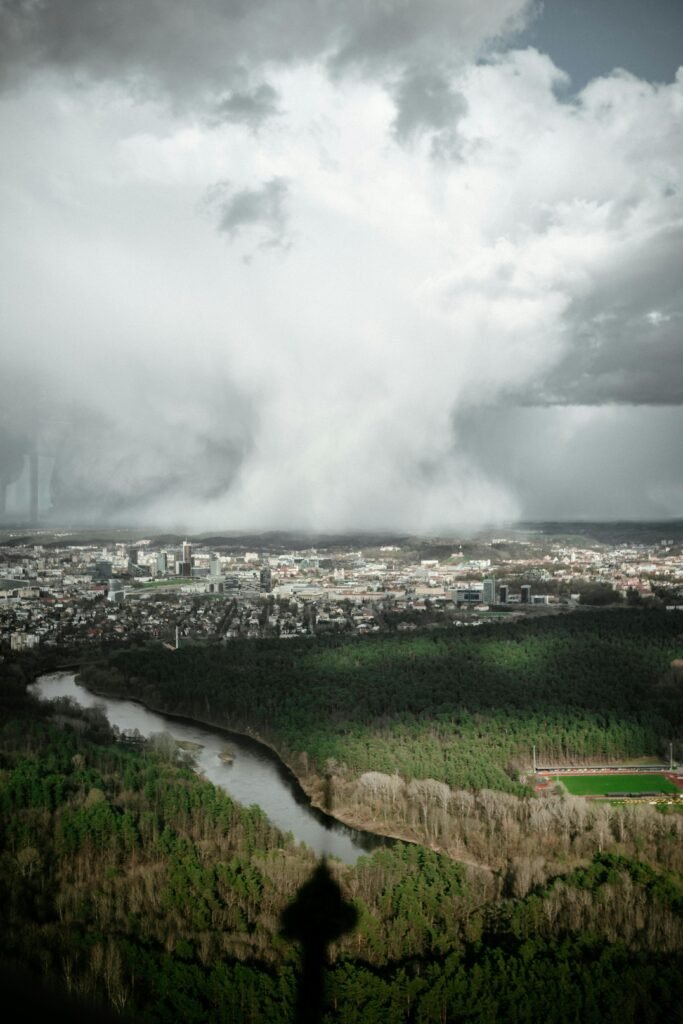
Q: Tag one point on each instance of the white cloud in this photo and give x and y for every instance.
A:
(331, 385)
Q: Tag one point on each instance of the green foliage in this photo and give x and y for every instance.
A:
(141, 885)
(461, 708)
(598, 594)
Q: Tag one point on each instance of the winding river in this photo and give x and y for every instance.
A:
(255, 776)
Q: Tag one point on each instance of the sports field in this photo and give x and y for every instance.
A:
(598, 785)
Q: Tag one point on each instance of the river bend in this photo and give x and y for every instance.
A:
(256, 776)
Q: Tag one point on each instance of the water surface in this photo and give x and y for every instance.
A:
(256, 775)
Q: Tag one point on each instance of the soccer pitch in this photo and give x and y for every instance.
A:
(598, 785)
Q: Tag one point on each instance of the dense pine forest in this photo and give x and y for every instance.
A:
(428, 736)
(133, 885)
(461, 707)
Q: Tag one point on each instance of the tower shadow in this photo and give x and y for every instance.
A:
(317, 916)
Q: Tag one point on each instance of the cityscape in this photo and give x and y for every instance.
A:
(69, 592)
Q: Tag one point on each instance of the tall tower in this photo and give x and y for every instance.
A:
(266, 579)
(186, 562)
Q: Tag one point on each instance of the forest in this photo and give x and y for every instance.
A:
(135, 887)
(428, 736)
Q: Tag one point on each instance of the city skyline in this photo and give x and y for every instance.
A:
(338, 267)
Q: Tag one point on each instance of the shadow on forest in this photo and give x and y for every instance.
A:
(32, 997)
(316, 917)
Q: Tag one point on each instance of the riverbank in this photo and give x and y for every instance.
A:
(315, 787)
(256, 779)
(504, 838)
(305, 785)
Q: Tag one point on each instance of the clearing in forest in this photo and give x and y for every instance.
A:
(599, 785)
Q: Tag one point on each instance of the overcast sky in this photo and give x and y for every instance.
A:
(336, 264)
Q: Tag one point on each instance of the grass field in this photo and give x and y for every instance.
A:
(598, 785)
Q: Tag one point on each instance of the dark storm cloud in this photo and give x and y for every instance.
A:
(377, 35)
(633, 361)
(262, 208)
(622, 461)
(248, 106)
(626, 333)
(183, 47)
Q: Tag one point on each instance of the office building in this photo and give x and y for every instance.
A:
(115, 590)
(102, 571)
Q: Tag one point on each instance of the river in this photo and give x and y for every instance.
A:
(256, 776)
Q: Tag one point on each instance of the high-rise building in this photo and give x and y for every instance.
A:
(102, 570)
(489, 593)
(503, 593)
(162, 562)
(184, 563)
(133, 567)
(266, 579)
(215, 567)
(526, 594)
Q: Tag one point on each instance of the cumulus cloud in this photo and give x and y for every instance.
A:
(584, 226)
(190, 48)
(207, 55)
(444, 343)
